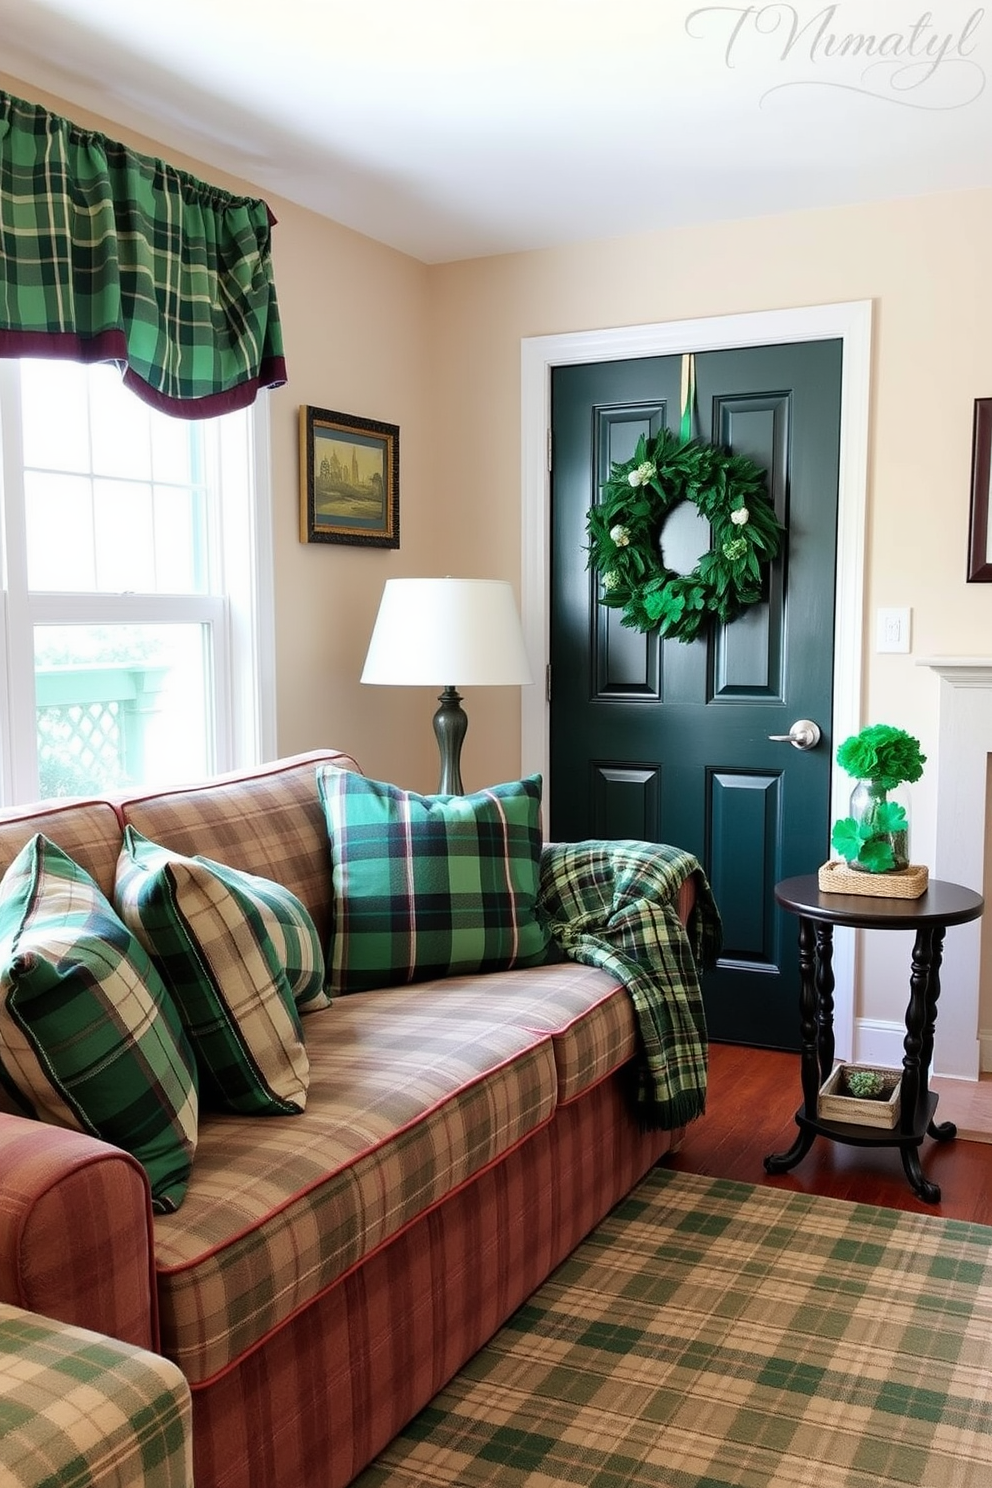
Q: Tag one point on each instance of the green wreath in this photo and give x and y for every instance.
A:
(625, 531)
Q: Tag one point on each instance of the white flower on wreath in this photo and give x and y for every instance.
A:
(740, 516)
(642, 474)
(620, 535)
(610, 580)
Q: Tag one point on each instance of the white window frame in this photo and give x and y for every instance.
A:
(240, 671)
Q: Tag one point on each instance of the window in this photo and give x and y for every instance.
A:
(137, 600)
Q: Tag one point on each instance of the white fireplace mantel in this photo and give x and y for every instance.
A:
(963, 671)
(964, 743)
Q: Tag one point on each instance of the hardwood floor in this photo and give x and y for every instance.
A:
(750, 1108)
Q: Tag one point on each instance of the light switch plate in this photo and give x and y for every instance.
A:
(892, 630)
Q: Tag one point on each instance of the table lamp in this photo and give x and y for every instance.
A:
(447, 633)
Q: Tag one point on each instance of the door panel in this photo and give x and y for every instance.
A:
(625, 666)
(625, 801)
(670, 742)
(745, 809)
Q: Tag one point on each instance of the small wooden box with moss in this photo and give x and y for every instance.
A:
(861, 1095)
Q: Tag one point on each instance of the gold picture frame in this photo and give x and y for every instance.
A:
(349, 479)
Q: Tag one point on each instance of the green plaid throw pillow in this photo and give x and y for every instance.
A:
(237, 953)
(88, 1035)
(425, 886)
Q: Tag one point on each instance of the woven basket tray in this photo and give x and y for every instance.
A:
(836, 877)
(832, 1105)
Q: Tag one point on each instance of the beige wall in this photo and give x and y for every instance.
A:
(437, 351)
(355, 329)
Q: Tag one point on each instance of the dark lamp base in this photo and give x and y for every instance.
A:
(450, 726)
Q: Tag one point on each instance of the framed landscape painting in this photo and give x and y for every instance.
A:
(349, 479)
(980, 527)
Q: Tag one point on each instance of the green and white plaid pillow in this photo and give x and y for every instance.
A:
(237, 953)
(89, 1037)
(427, 886)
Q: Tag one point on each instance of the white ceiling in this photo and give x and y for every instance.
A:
(455, 128)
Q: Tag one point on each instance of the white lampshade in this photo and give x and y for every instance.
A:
(447, 632)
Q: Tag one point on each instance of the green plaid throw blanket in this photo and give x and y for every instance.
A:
(613, 904)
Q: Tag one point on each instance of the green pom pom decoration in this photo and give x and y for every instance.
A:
(884, 754)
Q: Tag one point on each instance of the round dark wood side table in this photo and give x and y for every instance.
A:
(943, 904)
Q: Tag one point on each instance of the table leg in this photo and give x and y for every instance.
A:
(927, 1191)
(913, 1078)
(921, 1017)
(781, 1162)
(814, 1033)
(942, 1131)
(824, 980)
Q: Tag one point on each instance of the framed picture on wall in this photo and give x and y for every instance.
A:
(349, 479)
(980, 528)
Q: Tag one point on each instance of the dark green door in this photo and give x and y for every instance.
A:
(670, 742)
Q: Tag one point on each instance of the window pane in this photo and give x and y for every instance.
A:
(125, 537)
(122, 441)
(55, 423)
(120, 706)
(59, 517)
(173, 442)
(178, 554)
(84, 421)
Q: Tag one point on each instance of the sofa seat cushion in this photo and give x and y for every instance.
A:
(587, 1013)
(412, 1092)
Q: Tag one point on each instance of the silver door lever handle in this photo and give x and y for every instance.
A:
(804, 734)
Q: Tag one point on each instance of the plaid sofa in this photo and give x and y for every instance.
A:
(327, 1273)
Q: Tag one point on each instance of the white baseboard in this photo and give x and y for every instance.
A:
(878, 1042)
(985, 1050)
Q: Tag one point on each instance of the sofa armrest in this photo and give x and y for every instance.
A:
(76, 1240)
(76, 1406)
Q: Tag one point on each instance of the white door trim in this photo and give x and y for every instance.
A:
(851, 322)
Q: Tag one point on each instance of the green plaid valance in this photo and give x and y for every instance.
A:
(108, 255)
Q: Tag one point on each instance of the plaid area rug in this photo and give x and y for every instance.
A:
(710, 1334)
